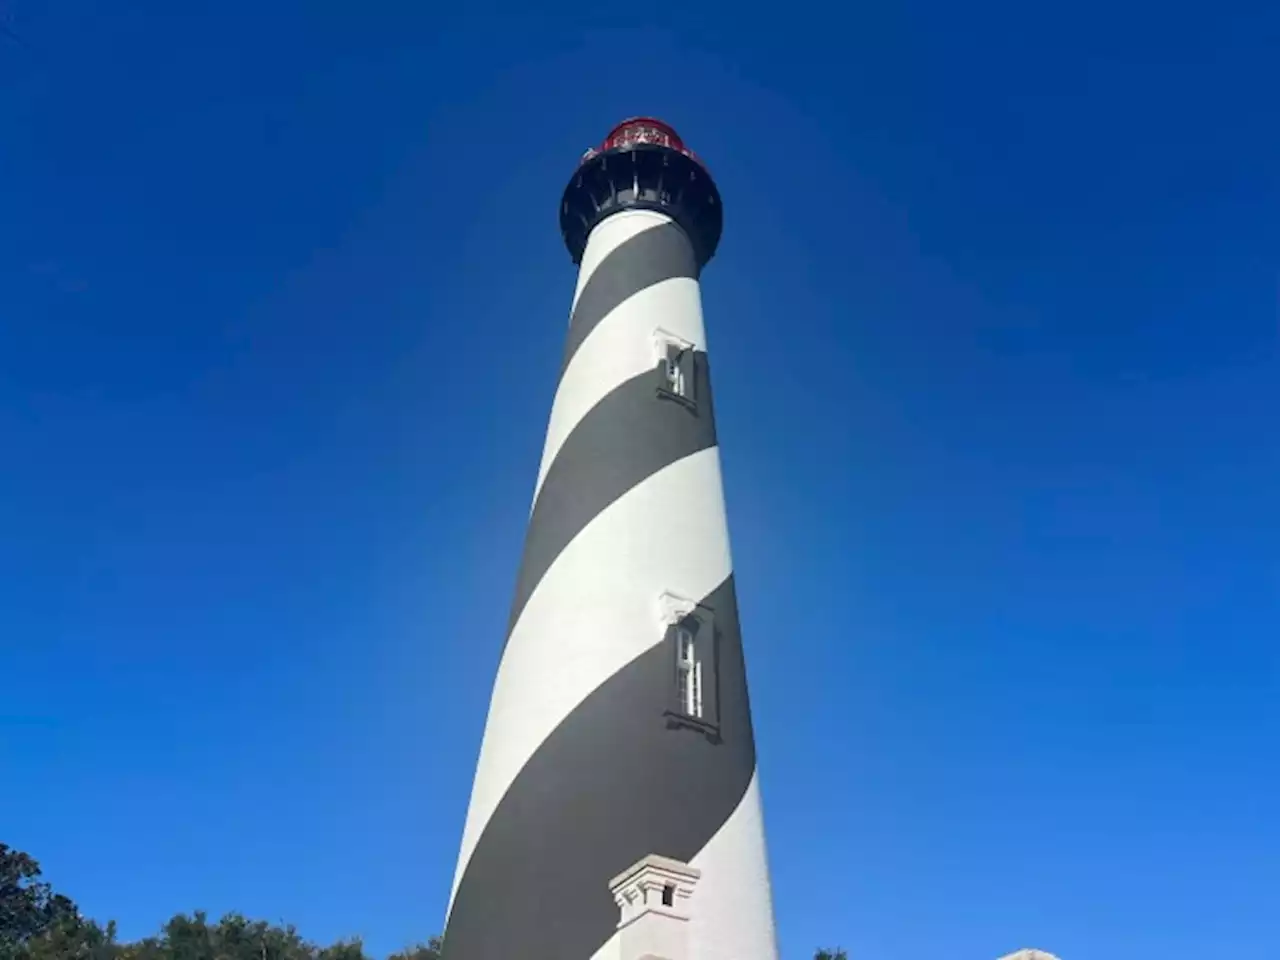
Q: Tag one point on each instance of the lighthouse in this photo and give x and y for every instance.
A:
(615, 812)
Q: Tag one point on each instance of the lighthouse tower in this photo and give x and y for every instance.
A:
(615, 812)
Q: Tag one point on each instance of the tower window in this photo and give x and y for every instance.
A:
(669, 895)
(677, 370)
(692, 640)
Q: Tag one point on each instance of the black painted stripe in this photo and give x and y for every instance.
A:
(613, 783)
(650, 257)
(625, 438)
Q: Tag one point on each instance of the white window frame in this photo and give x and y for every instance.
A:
(664, 343)
(673, 613)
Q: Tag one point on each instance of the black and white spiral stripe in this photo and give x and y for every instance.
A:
(579, 776)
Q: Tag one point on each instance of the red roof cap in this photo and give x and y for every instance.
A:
(643, 130)
(638, 130)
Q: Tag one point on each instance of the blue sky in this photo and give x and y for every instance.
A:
(995, 336)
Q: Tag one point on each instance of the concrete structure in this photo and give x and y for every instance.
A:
(619, 740)
(654, 897)
(1030, 955)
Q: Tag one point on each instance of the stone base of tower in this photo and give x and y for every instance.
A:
(655, 900)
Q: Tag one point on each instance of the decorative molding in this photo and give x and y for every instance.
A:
(672, 608)
(638, 890)
(664, 338)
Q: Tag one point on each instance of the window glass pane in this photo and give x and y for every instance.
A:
(684, 640)
(673, 369)
(695, 699)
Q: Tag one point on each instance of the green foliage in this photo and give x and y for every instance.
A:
(73, 938)
(184, 938)
(836, 954)
(29, 909)
(37, 924)
(423, 951)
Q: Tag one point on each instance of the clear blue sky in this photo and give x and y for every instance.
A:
(994, 322)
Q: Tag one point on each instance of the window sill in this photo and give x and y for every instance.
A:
(684, 401)
(677, 719)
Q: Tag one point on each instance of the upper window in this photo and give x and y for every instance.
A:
(673, 369)
(677, 374)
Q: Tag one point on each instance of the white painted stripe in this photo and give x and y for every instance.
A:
(594, 611)
(620, 347)
(732, 906)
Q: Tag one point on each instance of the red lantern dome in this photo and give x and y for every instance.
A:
(638, 130)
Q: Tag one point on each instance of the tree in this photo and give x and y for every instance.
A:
(28, 907)
(422, 951)
(836, 954)
(73, 938)
(234, 937)
(38, 924)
